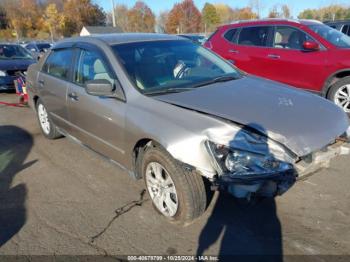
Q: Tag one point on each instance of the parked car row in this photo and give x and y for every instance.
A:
(179, 116)
(15, 59)
(341, 25)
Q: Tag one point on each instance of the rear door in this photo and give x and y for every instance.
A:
(289, 63)
(53, 83)
(248, 49)
(97, 121)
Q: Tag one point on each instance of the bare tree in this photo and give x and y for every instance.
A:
(257, 6)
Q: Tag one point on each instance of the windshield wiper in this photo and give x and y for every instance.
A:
(216, 80)
(168, 90)
(191, 87)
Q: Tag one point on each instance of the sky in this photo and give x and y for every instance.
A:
(157, 6)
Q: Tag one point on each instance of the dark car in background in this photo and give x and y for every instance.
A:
(38, 48)
(198, 39)
(13, 59)
(341, 25)
(303, 53)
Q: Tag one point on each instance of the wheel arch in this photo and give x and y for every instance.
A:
(35, 100)
(334, 78)
(138, 151)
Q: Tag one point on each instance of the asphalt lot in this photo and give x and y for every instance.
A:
(59, 198)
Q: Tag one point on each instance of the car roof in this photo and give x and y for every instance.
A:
(268, 21)
(118, 38)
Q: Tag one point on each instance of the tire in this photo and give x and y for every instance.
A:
(48, 128)
(342, 85)
(190, 195)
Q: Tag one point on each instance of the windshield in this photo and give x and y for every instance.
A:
(14, 52)
(332, 35)
(166, 65)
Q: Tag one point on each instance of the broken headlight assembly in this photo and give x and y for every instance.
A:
(244, 163)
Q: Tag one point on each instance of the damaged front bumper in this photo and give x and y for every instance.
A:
(271, 185)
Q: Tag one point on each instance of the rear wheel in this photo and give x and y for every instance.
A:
(176, 193)
(340, 94)
(47, 127)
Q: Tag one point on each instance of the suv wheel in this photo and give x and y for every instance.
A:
(340, 94)
(47, 127)
(176, 193)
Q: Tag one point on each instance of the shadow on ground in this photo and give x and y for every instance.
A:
(244, 229)
(15, 145)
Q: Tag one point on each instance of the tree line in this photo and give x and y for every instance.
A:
(45, 19)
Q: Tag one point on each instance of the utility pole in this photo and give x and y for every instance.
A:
(113, 13)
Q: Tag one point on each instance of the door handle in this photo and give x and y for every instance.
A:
(274, 56)
(41, 82)
(73, 96)
(233, 51)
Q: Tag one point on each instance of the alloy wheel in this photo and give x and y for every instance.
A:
(342, 98)
(44, 119)
(162, 189)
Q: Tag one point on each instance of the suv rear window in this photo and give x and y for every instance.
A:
(254, 36)
(58, 63)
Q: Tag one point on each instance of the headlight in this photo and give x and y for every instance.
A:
(244, 163)
(2, 73)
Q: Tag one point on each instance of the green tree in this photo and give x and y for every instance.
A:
(331, 12)
(210, 18)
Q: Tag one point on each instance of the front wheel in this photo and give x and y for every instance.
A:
(176, 193)
(340, 94)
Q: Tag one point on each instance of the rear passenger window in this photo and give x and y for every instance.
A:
(58, 63)
(230, 35)
(254, 36)
(346, 30)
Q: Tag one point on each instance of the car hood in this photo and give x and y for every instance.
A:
(301, 121)
(16, 64)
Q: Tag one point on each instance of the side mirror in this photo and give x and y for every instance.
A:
(311, 46)
(32, 50)
(102, 87)
(99, 87)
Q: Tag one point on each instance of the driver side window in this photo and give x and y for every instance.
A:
(289, 38)
(91, 66)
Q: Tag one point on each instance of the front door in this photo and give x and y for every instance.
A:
(289, 63)
(98, 122)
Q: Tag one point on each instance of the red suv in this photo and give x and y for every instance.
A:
(302, 53)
